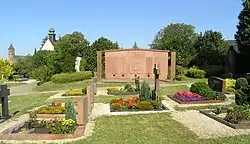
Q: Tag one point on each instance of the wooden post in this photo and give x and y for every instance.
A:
(99, 66)
(173, 64)
(157, 82)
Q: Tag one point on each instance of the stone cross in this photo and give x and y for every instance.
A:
(4, 92)
(157, 84)
(137, 84)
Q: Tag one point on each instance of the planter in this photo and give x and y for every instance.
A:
(14, 133)
(197, 102)
(123, 93)
(241, 125)
(50, 116)
(136, 110)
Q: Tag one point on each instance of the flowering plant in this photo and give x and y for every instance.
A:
(125, 103)
(188, 96)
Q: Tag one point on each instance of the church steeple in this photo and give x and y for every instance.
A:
(135, 46)
(52, 35)
(11, 53)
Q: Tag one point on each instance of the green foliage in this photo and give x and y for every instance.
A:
(45, 58)
(5, 68)
(67, 49)
(129, 87)
(83, 64)
(206, 92)
(71, 77)
(242, 35)
(84, 90)
(145, 92)
(194, 72)
(230, 84)
(70, 112)
(24, 66)
(242, 96)
(144, 105)
(51, 110)
(42, 74)
(241, 82)
(100, 44)
(177, 37)
(58, 126)
(211, 48)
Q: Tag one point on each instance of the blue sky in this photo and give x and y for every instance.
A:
(26, 22)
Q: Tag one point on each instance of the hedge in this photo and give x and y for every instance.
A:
(71, 77)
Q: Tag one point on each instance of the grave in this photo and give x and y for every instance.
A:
(4, 92)
(217, 84)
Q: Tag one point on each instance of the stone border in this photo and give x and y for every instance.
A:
(218, 119)
(122, 93)
(196, 102)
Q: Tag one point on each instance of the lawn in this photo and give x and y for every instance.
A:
(50, 86)
(157, 128)
(192, 80)
(113, 84)
(170, 90)
(24, 103)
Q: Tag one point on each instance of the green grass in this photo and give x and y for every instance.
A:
(157, 128)
(170, 90)
(24, 103)
(50, 86)
(202, 107)
(112, 84)
(192, 80)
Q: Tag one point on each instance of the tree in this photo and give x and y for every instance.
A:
(177, 37)
(67, 49)
(242, 35)
(5, 68)
(44, 41)
(211, 48)
(100, 44)
(24, 66)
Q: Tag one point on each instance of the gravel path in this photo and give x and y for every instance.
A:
(205, 127)
(23, 89)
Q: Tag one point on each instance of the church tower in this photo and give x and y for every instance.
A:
(52, 35)
(11, 53)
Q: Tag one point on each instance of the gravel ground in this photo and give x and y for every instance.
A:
(204, 126)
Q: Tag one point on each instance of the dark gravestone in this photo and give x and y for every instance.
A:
(155, 92)
(217, 84)
(4, 92)
(137, 84)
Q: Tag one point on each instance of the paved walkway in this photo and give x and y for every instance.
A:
(23, 89)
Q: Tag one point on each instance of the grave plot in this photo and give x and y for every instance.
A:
(202, 93)
(148, 100)
(237, 117)
(66, 121)
(127, 90)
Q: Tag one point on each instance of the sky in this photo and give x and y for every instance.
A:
(24, 23)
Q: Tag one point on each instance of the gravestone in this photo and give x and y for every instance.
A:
(155, 92)
(4, 92)
(217, 84)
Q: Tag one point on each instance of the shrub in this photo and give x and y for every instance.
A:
(145, 92)
(155, 104)
(113, 90)
(127, 86)
(71, 77)
(241, 82)
(206, 92)
(180, 72)
(230, 84)
(42, 74)
(84, 90)
(51, 110)
(144, 105)
(58, 126)
(194, 72)
(116, 106)
(70, 112)
(242, 96)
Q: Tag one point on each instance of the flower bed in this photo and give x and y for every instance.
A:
(81, 92)
(237, 117)
(192, 98)
(134, 104)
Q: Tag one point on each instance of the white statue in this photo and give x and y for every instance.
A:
(77, 63)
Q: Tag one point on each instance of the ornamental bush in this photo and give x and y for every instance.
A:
(194, 72)
(145, 92)
(71, 77)
(70, 112)
(241, 82)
